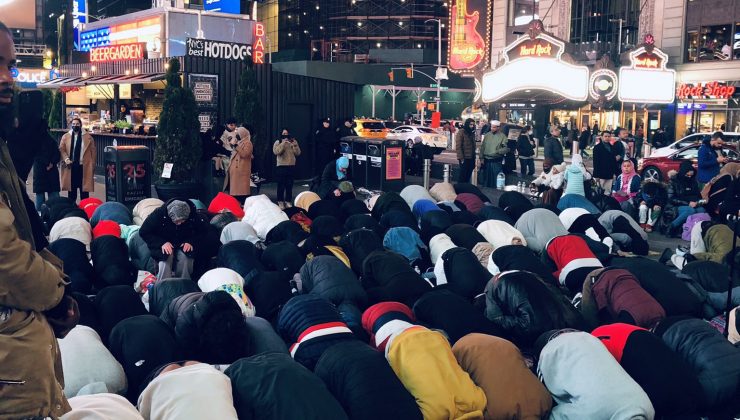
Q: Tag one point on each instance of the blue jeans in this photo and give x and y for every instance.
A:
(41, 199)
(527, 166)
(493, 168)
(683, 214)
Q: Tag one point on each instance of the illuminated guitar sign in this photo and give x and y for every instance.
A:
(468, 49)
(647, 80)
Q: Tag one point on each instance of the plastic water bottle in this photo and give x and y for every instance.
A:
(500, 181)
(115, 142)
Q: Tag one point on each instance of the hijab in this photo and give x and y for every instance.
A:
(230, 282)
(101, 407)
(627, 178)
(239, 231)
(499, 233)
(197, 391)
(342, 163)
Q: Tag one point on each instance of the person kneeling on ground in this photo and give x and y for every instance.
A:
(684, 194)
(652, 200)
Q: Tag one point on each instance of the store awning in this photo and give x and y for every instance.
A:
(71, 82)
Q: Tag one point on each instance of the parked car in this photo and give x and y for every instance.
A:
(429, 136)
(656, 168)
(374, 129)
(689, 140)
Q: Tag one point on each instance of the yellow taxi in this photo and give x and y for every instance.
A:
(375, 129)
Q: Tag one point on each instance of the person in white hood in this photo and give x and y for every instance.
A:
(229, 281)
(499, 233)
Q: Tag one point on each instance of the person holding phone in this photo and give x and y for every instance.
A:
(285, 149)
(238, 176)
(78, 154)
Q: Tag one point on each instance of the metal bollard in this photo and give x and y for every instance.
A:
(427, 171)
(474, 177)
(446, 173)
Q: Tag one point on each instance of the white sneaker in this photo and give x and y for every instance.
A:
(678, 261)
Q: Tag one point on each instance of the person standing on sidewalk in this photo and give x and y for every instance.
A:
(78, 154)
(710, 158)
(465, 149)
(553, 146)
(605, 163)
(492, 150)
(286, 149)
(583, 140)
(239, 176)
(525, 147)
(45, 170)
(325, 145)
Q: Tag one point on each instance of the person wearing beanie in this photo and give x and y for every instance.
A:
(172, 234)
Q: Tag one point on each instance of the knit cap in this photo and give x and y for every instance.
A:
(385, 314)
(178, 210)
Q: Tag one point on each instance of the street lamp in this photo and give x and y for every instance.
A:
(439, 57)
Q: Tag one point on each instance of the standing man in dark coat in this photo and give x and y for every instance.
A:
(325, 142)
(45, 172)
(465, 148)
(525, 147)
(346, 129)
(553, 146)
(605, 163)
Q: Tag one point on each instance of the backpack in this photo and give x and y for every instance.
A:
(690, 222)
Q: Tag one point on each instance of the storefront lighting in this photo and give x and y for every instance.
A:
(317, 7)
(93, 68)
(84, 74)
(642, 83)
(136, 71)
(378, 44)
(128, 72)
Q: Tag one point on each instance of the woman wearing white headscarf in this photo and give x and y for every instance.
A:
(499, 233)
(73, 228)
(438, 245)
(239, 231)
(195, 391)
(101, 407)
(230, 282)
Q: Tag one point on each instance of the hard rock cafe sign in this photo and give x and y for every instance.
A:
(646, 79)
(468, 35)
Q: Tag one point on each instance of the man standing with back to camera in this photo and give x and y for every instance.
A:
(34, 309)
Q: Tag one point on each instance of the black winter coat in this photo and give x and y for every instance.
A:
(240, 256)
(398, 218)
(364, 383)
(273, 386)
(495, 213)
(165, 290)
(159, 229)
(113, 304)
(283, 257)
(325, 208)
(111, 262)
(366, 221)
(388, 201)
(525, 307)
(682, 189)
(209, 327)
(387, 276)
(268, 291)
(605, 162)
(433, 223)
(715, 361)
(328, 277)
(330, 181)
(457, 317)
(286, 230)
(464, 274)
(518, 257)
(263, 338)
(76, 264)
(465, 236)
(47, 153)
(357, 245)
(514, 204)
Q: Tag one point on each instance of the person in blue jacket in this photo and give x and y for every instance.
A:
(710, 158)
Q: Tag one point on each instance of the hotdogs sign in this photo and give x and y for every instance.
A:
(218, 49)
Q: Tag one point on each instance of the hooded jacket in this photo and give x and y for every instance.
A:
(144, 208)
(539, 226)
(312, 324)
(165, 290)
(413, 193)
(363, 382)
(114, 211)
(76, 264)
(668, 380)
(113, 304)
(74, 228)
(571, 260)
(239, 231)
(329, 278)
(521, 258)
(398, 218)
(613, 293)
(388, 201)
(683, 189)
(573, 366)
(525, 307)
(111, 262)
(496, 365)
(405, 241)
(208, 327)
(286, 231)
(443, 191)
(459, 271)
(388, 276)
(159, 229)
(514, 204)
(444, 310)
(715, 361)
(262, 214)
(86, 361)
(352, 207)
(499, 233)
(495, 213)
(273, 386)
(438, 245)
(325, 208)
(141, 344)
(358, 244)
(283, 257)
(465, 236)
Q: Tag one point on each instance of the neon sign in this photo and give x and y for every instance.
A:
(258, 49)
(468, 49)
(646, 79)
(118, 52)
(711, 90)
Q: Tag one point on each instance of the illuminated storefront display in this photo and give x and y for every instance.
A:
(535, 61)
(709, 90)
(145, 30)
(118, 53)
(258, 50)
(647, 80)
(469, 36)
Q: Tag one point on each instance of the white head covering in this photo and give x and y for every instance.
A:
(72, 228)
(413, 193)
(499, 233)
(577, 160)
(86, 361)
(239, 231)
(144, 208)
(101, 407)
(492, 267)
(191, 392)
(569, 215)
(438, 245)
(262, 214)
(439, 271)
(229, 281)
(496, 123)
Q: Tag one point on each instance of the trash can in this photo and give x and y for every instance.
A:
(385, 169)
(359, 161)
(345, 149)
(128, 177)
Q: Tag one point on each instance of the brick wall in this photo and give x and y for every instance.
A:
(153, 106)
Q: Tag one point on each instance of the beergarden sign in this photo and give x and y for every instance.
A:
(218, 49)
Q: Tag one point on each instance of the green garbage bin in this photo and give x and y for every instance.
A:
(128, 177)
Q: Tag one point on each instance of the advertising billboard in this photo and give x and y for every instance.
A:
(18, 14)
(469, 35)
(223, 6)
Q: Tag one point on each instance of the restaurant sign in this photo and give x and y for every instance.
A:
(205, 90)
(647, 80)
(711, 90)
(469, 35)
(122, 52)
(218, 49)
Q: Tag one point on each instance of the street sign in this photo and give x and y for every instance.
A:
(436, 98)
(444, 88)
(433, 85)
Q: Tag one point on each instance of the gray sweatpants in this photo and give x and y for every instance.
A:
(183, 266)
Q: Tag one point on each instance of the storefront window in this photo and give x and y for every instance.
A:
(692, 46)
(521, 12)
(710, 43)
(736, 42)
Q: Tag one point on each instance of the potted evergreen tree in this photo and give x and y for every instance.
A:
(248, 110)
(178, 139)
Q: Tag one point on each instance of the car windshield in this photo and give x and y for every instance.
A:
(425, 130)
(373, 125)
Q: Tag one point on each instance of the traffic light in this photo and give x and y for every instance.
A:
(410, 72)
(390, 75)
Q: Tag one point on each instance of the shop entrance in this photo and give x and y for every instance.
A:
(299, 122)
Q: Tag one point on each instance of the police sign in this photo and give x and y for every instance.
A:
(218, 49)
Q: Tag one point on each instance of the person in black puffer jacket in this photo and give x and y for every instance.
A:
(358, 244)
(311, 324)
(433, 223)
(451, 313)
(364, 383)
(715, 361)
(76, 264)
(525, 307)
(388, 276)
(286, 230)
(273, 386)
(519, 257)
(165, 290)
(209, 327)
(240, 256)
(113, 304)
(283, 257)
(111, 263)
